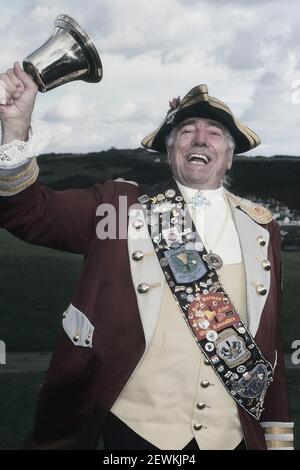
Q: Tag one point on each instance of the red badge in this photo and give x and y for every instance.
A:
(211, 312)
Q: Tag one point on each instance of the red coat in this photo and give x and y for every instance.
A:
(82, 383)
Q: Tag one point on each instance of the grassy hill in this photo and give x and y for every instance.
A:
(277, 177)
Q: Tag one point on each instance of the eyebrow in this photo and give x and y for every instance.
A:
(209, 121)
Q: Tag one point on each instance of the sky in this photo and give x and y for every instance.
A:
(247, 52)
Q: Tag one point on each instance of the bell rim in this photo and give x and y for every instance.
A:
(71, 26)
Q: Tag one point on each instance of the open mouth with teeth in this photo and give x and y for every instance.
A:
(198, 159)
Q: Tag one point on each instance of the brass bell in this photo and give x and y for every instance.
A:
(261, 240)
(69, 54)
(266, 265)
(137, 255)
(261, 290)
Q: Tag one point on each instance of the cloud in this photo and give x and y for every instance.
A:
(247, 52)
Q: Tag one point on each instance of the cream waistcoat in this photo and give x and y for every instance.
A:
(160, 400)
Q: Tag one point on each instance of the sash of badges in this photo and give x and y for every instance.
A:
(208, 311)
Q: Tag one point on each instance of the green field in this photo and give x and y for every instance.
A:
(36, 285)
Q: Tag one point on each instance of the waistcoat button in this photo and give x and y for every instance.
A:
(204, 383)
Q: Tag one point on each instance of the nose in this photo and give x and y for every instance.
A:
(200, 137)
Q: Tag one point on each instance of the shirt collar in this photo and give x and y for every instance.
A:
(213, 195)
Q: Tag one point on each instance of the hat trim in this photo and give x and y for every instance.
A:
(241, 133)
(242, 128)
(238, 123)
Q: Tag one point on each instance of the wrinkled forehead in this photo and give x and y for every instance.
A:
(208, 122)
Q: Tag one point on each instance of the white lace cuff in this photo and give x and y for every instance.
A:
(17, 152)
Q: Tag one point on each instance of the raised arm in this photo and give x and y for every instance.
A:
(37, 214)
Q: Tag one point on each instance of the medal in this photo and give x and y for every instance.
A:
(199, 200)
(214, 261)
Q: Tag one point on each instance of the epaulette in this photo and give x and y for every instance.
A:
(258, 213)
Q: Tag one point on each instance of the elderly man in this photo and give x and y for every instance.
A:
(171, 339)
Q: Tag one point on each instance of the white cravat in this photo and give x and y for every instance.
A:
(214, 223)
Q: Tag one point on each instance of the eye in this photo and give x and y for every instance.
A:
(186, 131)
(215, 132)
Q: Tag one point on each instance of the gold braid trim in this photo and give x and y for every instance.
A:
(14, 189)
(277, 430)
(276, 444)
(258, 213)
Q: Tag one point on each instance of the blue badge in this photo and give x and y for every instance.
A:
(185, 264)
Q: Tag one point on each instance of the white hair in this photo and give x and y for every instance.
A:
(172, 136)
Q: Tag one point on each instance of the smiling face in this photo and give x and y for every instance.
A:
(200, 153)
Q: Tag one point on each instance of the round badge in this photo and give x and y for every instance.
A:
(175, 245)
(214, 260)
(209, 347)
(241, 369)
(174, 220)
(170, 193)
(242, 330)
(204, 324)
(198, 246)
(179, 205)
(160, 197)
(172, 237)
(190, 298)
(178, 198)
(183, 295)
(211, 335)
(189, 290)
(164, 262)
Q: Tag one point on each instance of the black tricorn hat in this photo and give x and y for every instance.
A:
(198, 103)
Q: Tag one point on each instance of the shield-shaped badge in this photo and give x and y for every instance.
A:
(185, 264)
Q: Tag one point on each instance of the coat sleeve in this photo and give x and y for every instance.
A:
(275, 419)
(65, 220)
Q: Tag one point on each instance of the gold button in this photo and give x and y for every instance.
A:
(204, 383)
(261, 290)
(138, 224)
(206, 362)
(137, 255)
(197, 426)
(201, 406)
(143, 288)
(261, 240)
(266, 265)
